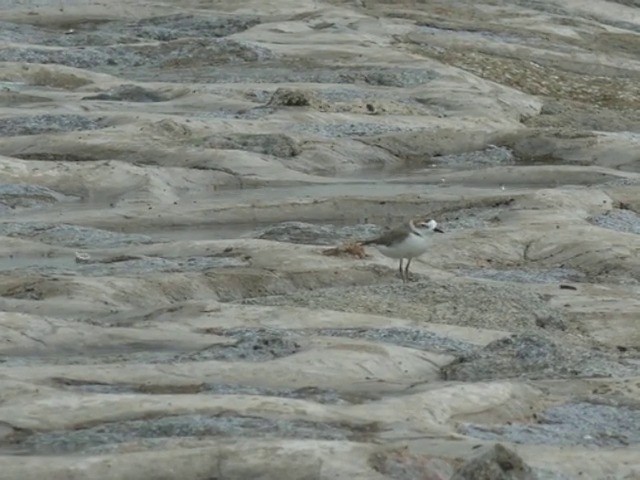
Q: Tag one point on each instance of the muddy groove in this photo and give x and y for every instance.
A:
(172, 54)
(102, 32)
(57, 157)
(404, 337)
(249, 346)
(526, 275)
(151, 432)
(290, 71)
(315, 394)
(13, 195)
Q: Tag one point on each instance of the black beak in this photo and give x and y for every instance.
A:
(437, 230)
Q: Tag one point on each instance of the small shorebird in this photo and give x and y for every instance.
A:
(408, 242)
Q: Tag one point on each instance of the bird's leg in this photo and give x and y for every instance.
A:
(400, 270)
(406, 269)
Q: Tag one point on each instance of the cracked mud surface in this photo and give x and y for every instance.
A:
(175, 176)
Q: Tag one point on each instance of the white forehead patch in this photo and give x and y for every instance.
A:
(432, 224)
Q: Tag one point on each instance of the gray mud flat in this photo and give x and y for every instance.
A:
(183, 192)
(98, 439)
(38, 124)
(620, 220)
(75, 236)
(570, 424)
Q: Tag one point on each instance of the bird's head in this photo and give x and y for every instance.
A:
(428, 226)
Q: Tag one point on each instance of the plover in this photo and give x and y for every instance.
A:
(408, 242)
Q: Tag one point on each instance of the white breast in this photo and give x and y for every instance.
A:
(412, 246)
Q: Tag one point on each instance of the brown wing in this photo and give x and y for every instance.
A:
(388, 238)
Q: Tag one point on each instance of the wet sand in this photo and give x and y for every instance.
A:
(173, 174)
